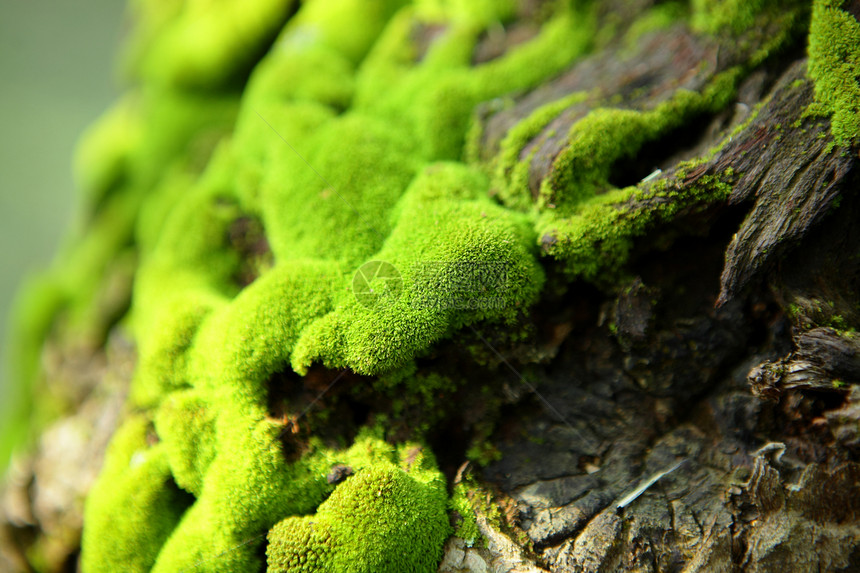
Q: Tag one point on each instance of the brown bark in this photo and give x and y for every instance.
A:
(728, 386)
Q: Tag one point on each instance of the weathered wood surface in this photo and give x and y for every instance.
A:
(724, 356)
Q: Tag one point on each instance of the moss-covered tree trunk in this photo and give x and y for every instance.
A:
(664, 196)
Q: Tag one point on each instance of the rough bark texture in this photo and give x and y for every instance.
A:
(719, 360)
(705, 416)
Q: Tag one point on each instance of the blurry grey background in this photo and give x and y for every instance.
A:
(56, 77)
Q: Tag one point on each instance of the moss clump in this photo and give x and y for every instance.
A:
(138, 506)
(386, 518)
(834, 66)
(511, 173)
(199, 44)
(733, 15)
(740, 18)
(607, 135)
(450, 233)
(186, 425)
(344, 146)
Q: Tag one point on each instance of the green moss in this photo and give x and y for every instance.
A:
(386, 518)
(134, 505)
(103, 156)
(421, 397)
(467, 527)
(36, 306)
(435, 99)
(834, 66)
(811, 312)
(186, 425)
(511, 173)
(793, 311)
(735, 16)
(313, 157)
(483, 453)
(582, 220)
(152, 135)
(474, 500)
(595, 240)
(195, 44)
(476, 12)
(607, 135)
(346, 148)
(450, 233)
(253, 491)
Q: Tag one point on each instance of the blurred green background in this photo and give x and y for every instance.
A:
(57, 69)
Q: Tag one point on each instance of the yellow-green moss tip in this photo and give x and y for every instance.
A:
(834, 66)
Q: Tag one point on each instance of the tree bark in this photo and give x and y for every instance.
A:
(714, 426)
